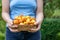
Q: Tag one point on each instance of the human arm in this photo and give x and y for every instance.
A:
(5, 11)
(39, 15)
(6, 15)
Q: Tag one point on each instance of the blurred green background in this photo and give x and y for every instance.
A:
(51, 24)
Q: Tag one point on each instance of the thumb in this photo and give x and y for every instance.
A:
(11, 22)
(36, 23)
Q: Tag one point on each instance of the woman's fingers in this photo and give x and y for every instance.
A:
(14, 30)
(14, 26)
(34, 29)
(10, 23)
(36, 23)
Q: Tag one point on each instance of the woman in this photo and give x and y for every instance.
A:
(12, 8)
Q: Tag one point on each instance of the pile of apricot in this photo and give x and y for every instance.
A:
(24, 20)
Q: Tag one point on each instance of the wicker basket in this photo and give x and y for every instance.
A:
(26, 20)
(26, 27)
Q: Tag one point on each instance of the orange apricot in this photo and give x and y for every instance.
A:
(21, 24)
(23, 18)
(28, 17)
(16, 17)
(16, 21)
(25, 23)
(32, 21)
(28, 20)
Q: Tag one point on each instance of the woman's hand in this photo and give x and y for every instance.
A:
(13, 28)
(10, 24)
(35, 29)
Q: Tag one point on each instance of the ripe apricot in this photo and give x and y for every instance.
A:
(21, 24)
(25, 23)
(28, 17)
(23, 18)
(16, 21)
(16, 17)
(28, 20)
(32, 21)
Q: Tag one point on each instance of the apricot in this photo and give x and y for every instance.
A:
(16, 17)
(32, 21)
(16, 21)
(21, 24)
(25, 23)
(23, 18)
(20, 20)
(28, 20)
(28, 17)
